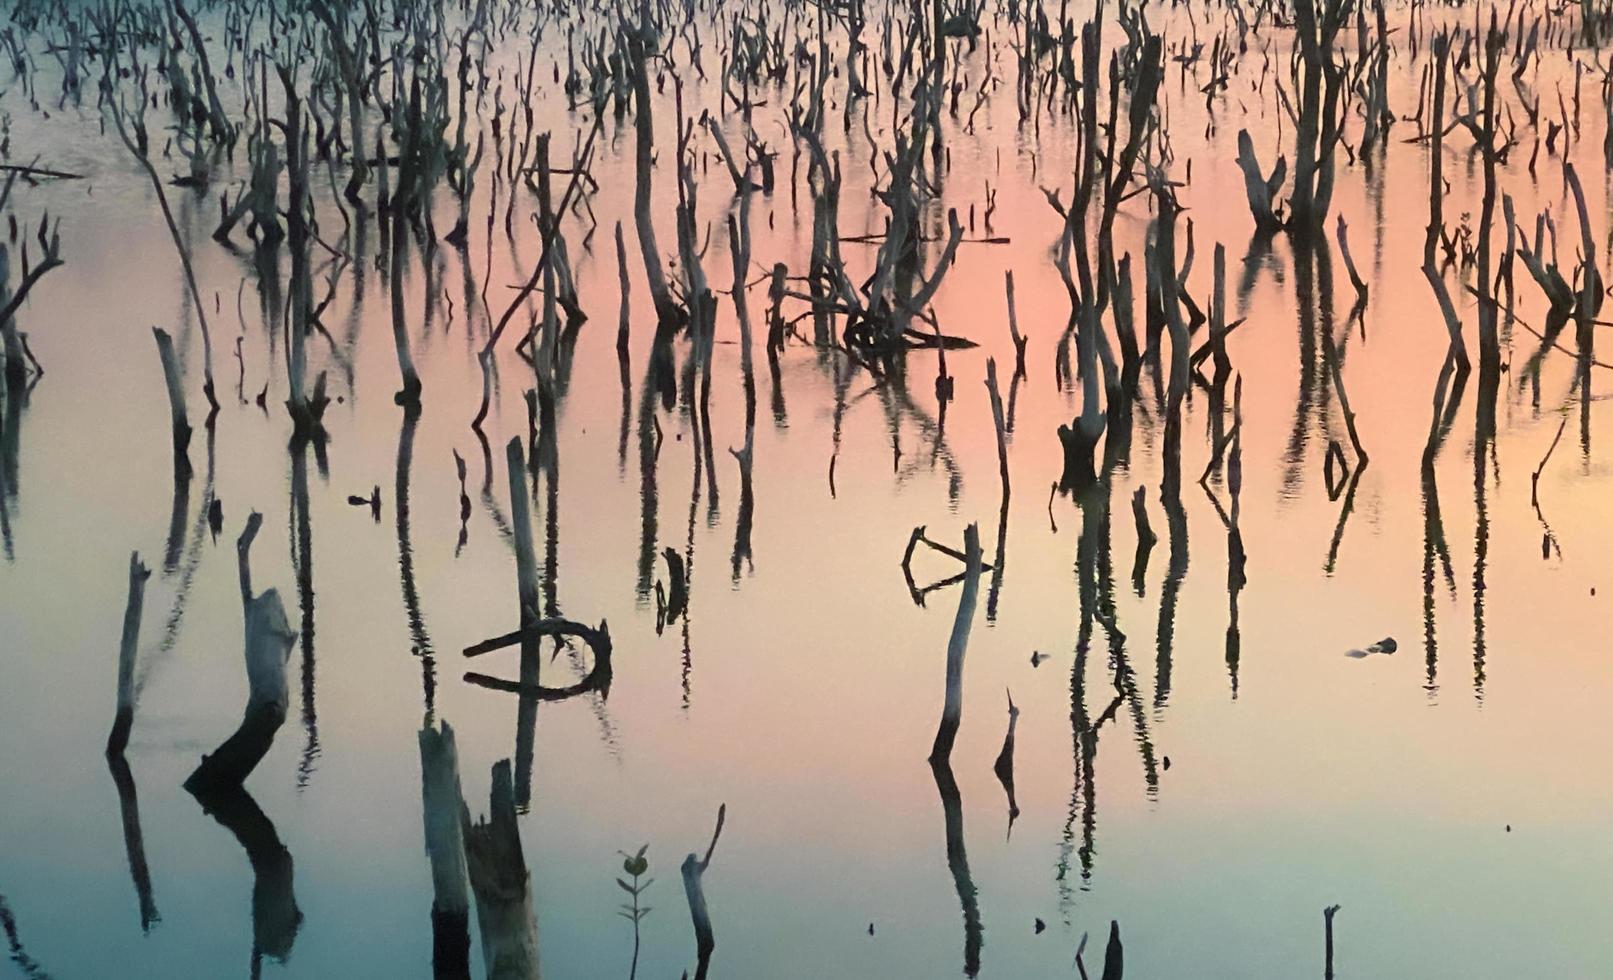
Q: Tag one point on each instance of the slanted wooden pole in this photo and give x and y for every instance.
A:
(526, 561)
(443, 807)
(694, 870)
(176, 399)
(269, 638)
(997, 421)
(952, 707)
(124, 718)
(1013, 326)
(502, 885)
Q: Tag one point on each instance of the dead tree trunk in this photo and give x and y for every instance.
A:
(176, 400)
(443, 806)
(269, 638)
(694, 870)
(952, 707)
(502, 885)
(124, 719)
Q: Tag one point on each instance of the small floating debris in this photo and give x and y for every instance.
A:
(1385, 645)
(373, 502)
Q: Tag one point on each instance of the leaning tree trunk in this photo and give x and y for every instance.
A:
(269, 638)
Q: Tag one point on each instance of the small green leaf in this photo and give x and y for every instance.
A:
(626, 887)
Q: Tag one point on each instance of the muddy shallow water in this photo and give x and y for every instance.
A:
(1449, 795)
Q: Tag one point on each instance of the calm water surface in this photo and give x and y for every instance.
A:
(1451, 797)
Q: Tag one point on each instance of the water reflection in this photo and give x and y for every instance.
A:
(302, 559)
(30, 967)
(134, 843)
(419, 639)
(275, 915)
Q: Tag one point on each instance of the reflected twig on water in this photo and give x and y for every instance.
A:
(658, 381)
(133, 840)
(958, 863)
(1483, 440)
(1549, 539)
(1004, 766)
(29, 966)
(302, 560)
(1175, 573)
(1448, 390)
(688, 568)
(1311, 382)
(420, 640)
(16, 405)
(275, 916)
(187, 574)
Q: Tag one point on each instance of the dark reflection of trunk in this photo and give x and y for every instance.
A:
(627, 416)
(134, 841)
(1236, 558)
(1097, 557)
(10, 450)
(1305, 404)
(958, 864)
(1095, 587)
(742, 525)
(1483, 442)
(1084, 794)
(302, 556)
(999, 561)
(418, 637)
(688, 571)
(172, 625)
(275, 916)
(29, 966)
(1447, 397)
(176, 521)
(526, 722)
(1004, 766)
(266, 262)
(546, 477)
(1175, 572)
(658, 382)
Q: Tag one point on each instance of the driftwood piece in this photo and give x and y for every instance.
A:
(597, 638)
(694, 870)
(127, 648)
(134, 842)
(269, 638)
(502, 885)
